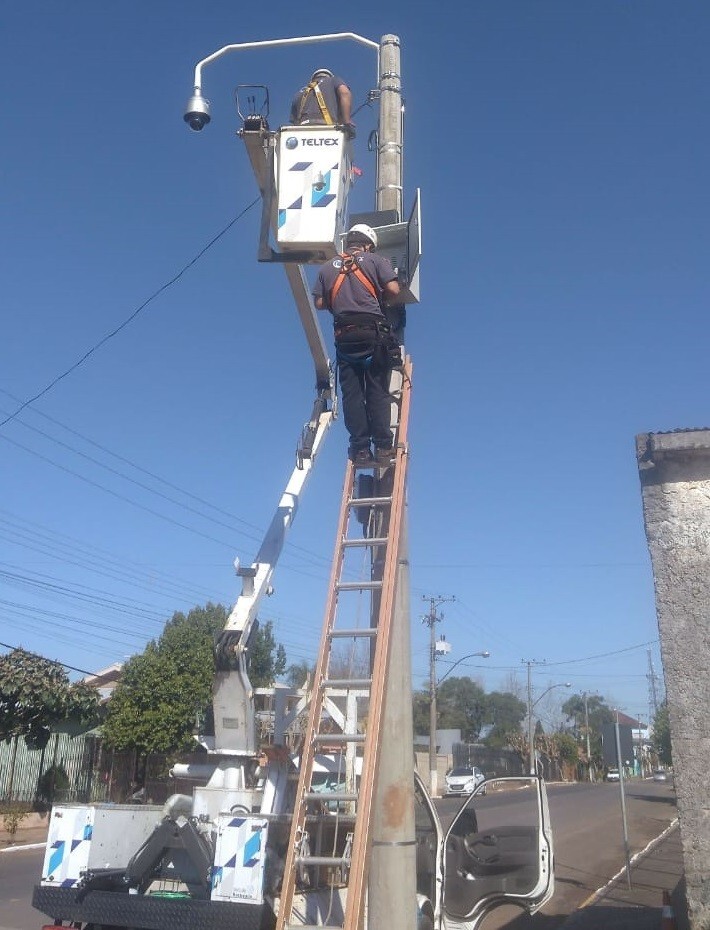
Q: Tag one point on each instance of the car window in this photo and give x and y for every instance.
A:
(459, 771)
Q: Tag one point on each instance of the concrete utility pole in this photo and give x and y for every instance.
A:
(674, 470)
(431, 619)
(393, 870)
(586, 730)
(389, 180)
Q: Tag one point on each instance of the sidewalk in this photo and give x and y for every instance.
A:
(616, 907)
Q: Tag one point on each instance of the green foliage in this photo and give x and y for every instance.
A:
(566, 747)
(36, 695)
(12, 816)
(420, 713)
(505, 712)
(163, 690)
(297, 673)
(661, 739)
(267, 659)
(461, 705)
(597, 712)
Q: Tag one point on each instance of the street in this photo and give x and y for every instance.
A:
(588, 838)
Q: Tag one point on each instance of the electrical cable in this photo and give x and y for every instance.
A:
(38, 656)
(117, 330)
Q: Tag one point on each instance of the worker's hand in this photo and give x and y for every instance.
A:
(349, 129)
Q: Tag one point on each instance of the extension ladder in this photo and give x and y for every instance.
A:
(350, 861)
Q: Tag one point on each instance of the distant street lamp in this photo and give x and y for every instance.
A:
(484, 655)
(434, 684)
(531, 706)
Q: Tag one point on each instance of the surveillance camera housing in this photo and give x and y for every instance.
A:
(197, 112)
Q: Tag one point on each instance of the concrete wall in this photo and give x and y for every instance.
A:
(675, 480)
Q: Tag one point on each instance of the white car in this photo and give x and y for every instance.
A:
(463, 779)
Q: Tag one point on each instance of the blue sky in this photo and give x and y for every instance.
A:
(562, 151)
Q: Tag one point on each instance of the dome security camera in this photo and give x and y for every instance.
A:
(197, 112)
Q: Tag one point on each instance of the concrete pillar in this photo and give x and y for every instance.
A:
(675, 479)
(392, 886)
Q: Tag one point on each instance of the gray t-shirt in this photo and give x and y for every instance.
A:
(353, 296)
(311, 112)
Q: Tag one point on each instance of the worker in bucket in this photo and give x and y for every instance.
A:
(355, 286)
(325, 101)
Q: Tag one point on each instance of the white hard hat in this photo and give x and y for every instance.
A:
(321, 71)
(367, 231)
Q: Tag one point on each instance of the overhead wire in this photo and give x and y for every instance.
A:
(38, 656)
(91, 351)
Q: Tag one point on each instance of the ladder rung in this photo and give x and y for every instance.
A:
(347, 683)
(374, 541)
(328, 796)
(314, 926)
(348, 634)
(370, 501)
(339, 738)
(358, 586)
(322, 860)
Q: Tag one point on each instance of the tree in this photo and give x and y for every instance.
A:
(598, 714)
(36, 695)
(420, 713)
(504, 712)
(460, 705)
(298, 673)
(661, 739)
(267, 659)
(164, 689)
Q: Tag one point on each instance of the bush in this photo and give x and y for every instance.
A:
(53, 785)
(12, 817)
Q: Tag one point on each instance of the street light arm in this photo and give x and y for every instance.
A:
(566, 684)
(273, 43)
(483, 655)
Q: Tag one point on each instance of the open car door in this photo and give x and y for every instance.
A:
(498, 850)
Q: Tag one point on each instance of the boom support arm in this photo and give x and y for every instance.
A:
(232, 693)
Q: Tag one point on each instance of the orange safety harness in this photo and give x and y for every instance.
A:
(350, 266)
(322, 105)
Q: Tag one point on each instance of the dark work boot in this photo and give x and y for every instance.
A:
(362, 458)
(384, 457)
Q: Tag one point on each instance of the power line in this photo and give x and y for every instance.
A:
(38, 656)
(117, 330)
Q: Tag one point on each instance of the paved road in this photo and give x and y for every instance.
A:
(589, 842)
(19, 869)
(589, 850)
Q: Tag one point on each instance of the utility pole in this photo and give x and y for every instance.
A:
(431, 619)
(652, 694)
(586, 730)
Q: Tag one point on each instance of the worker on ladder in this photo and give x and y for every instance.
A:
(355, 287)
(325, 101)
